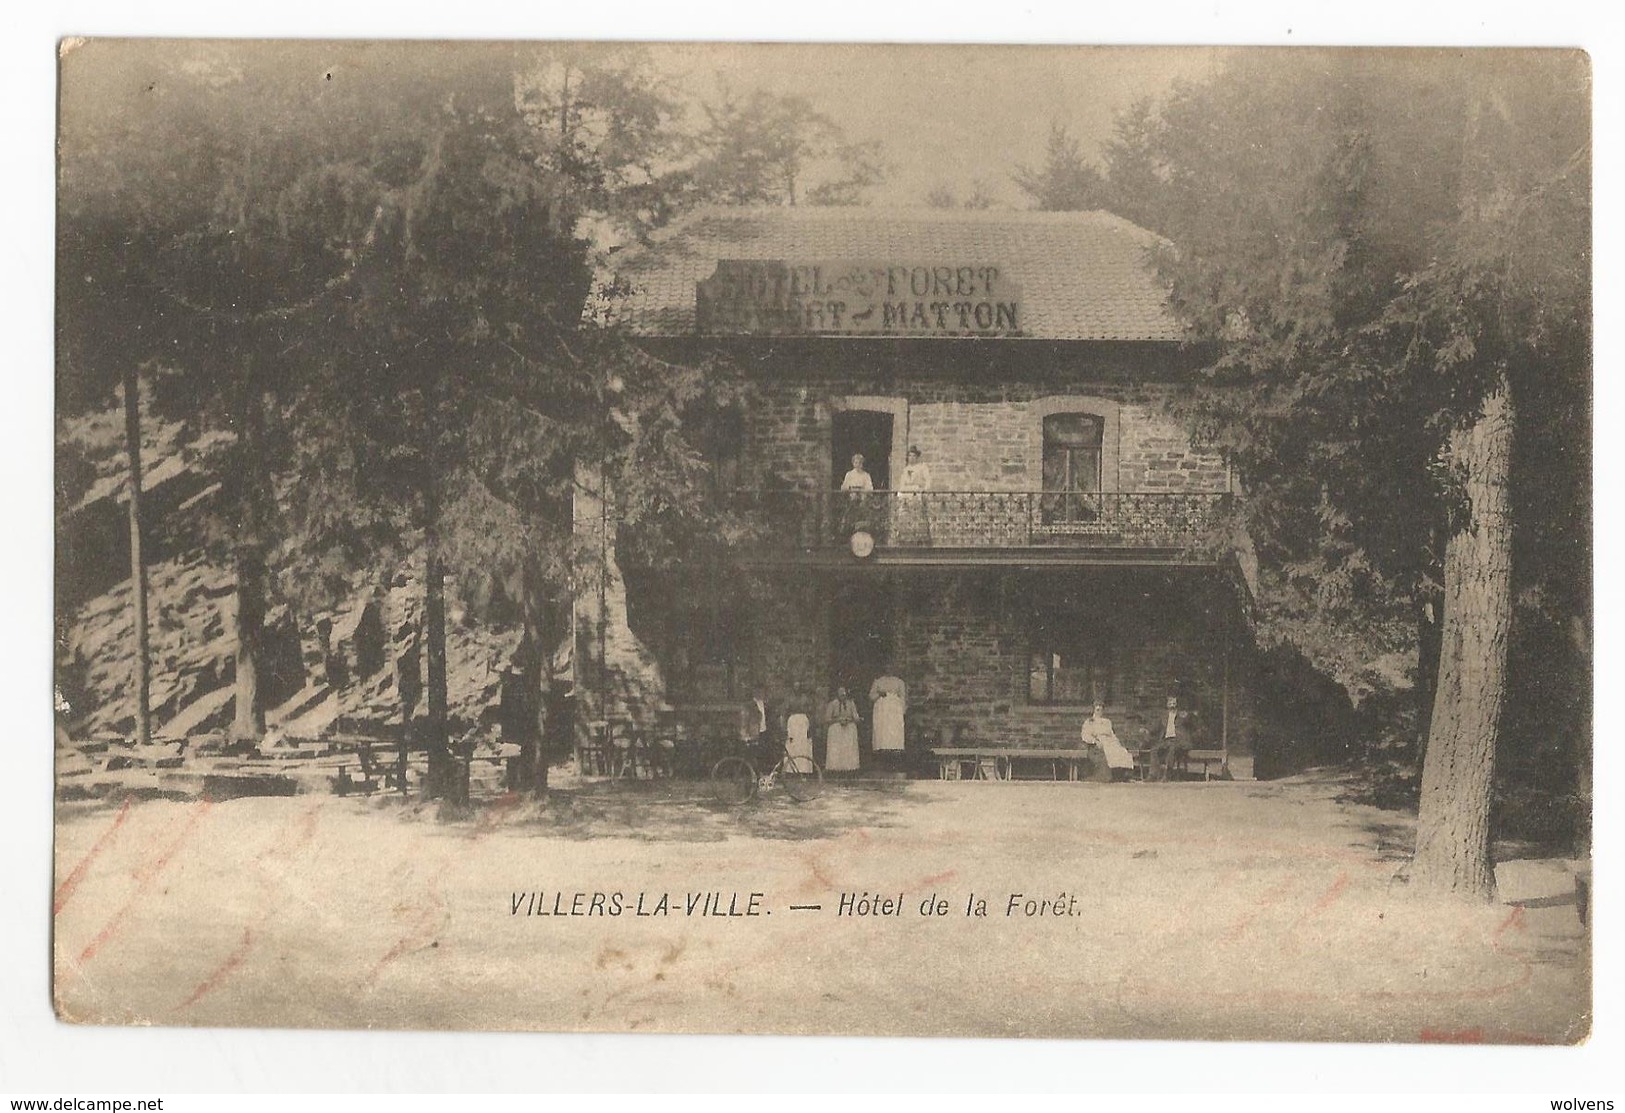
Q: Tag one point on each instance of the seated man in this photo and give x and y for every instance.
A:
(1097, 731)
(1178, 737)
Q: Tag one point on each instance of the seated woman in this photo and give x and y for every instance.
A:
(1097, 731)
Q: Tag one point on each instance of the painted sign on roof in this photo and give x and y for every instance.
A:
(846, 297)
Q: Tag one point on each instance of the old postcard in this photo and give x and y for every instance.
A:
(866, 540)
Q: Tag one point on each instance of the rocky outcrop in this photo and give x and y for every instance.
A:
(361, 670)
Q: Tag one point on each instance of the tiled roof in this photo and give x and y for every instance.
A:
(1081, 275)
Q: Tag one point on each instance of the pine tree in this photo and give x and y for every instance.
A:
(1385, 294)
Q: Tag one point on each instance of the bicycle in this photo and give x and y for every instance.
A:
(734, 779)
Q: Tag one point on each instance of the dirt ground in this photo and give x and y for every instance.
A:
(1239, 910)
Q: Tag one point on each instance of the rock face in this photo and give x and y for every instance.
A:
(192, 613)
(361, 668)
(379, 638)
(368, 661)
(353, 643)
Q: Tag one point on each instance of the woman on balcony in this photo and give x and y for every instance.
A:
(913, 525)
(857, 487)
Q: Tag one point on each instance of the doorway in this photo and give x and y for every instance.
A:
(862, 635)
(866, 433)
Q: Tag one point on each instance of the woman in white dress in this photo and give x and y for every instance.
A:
(841, 742)
(890, 698)
(798, 735)
(913, 526)
(858, 480)
(857, 488)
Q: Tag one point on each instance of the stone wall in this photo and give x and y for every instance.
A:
(961, 641)
(981, 436)
(966, 638)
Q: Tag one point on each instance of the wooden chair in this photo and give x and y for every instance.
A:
(629, 752)
(592, 752)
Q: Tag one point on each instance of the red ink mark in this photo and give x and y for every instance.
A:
(421, 934)
(144, 879)
(495, 814)
(939, 878)
(306, 831)
(65, 891)
(221, 972)
(1330, 896)
(434, 917)
(1513, 922)
(1479, 1035)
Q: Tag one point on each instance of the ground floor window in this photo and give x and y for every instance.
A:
(715, 645)
(1069, 662)
(702, 642)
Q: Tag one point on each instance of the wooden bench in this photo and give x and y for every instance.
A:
(1144, 728)
(997, 763)
(1209, 759)
(987, 763)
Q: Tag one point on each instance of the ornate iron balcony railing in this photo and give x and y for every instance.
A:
(988, 519)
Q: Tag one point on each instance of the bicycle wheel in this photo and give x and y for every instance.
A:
(733, 780)
(802, 777)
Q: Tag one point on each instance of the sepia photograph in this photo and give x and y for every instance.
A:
(1054, 542)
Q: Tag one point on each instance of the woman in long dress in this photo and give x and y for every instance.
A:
(798, 735)
(890, 698)
(857, 489)
(841, 742)
(913, 526)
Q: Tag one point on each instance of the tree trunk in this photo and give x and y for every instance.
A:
(1452, 829)
(248, 720)
(443, 780)
(138, 564)
(535, 661)
(1429, 627)
(1581, 739)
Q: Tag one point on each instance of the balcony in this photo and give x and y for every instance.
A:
(1181, 525)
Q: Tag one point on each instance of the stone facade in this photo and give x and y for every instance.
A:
(964, 638)
(980, 435)
(963, 642)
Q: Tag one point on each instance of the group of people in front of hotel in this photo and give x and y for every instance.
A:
(766, 729)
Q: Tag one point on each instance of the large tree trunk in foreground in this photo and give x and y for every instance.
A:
(1452, 829)
(138, 564)
(1429, 628)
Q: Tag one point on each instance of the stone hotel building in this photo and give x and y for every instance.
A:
(1068, 543)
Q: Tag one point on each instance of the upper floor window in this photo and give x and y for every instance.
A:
(1072, 452)
(720, 437)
